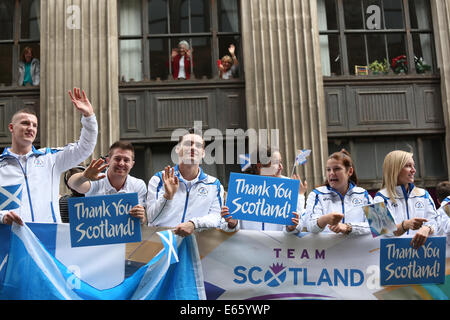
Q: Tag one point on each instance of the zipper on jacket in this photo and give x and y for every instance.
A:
(185, 205)
(24, 172)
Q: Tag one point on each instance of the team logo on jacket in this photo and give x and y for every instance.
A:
(38, 162)
(202, 192)
(419, 205)
(357, 202)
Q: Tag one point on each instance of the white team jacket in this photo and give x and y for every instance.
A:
(201, 203)
(324, 200)
(444, 219)
(40, 173)
(416, 203)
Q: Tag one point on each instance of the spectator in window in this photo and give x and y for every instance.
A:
(29, 68)
(181, 61)
(228, 65)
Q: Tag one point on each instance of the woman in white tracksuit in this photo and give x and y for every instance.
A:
(337, 205)
(412, 208)
(273, 168)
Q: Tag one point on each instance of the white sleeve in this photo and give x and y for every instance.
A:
(313, 213)
(75, 153)
(155, 200)
(142, 192)
(213, 218)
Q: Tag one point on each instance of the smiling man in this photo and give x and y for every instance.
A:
(185, 197)
(37, 172)
(117, 179)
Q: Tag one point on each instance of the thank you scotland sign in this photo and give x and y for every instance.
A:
(262, 199)
(101, 220)
(401, 264)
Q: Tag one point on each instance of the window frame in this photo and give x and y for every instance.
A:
(214, 35)
(17, 41)
(407, 32)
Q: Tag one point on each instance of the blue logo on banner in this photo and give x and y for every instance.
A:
(263, 199)
(101, 220)
(402, 264)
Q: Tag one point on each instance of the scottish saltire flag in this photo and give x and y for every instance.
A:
(10, 197)
(93, 273)
(244, 160)
(301, 156)
(170, 245)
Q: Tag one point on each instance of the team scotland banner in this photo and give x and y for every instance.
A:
(109, 272)
(267, 265)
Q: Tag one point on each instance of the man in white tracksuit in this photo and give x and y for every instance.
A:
(38, 171)
(185, 197)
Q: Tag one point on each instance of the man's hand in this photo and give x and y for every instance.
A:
(225, 213)
(138, 212)
(171, 183)
(81, 102)
(184, 229)
(11, 217)
(93, 172)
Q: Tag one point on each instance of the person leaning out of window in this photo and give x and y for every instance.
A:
(29, 68)
(181, 61)
(228, 65)
(411, 207)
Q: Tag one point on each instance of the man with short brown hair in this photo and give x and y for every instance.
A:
(120, 161)
(36, 173)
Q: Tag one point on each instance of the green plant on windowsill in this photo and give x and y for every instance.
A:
(421, 66)
(378, 67)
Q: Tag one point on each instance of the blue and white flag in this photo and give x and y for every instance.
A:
(301, 156)
(244, 160)
(94, 273)
(170, 245)
(10, 197)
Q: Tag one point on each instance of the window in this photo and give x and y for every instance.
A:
(368, 154)
(386, 36)
(151, 29)
(19, 28)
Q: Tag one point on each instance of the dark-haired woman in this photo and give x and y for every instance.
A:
(336, 206)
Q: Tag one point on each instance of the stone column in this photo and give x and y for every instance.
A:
(79, 48)
(441, 24)
(283, 75)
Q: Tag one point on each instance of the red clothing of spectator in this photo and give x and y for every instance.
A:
(176, 66)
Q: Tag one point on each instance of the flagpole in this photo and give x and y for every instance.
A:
(293, 169)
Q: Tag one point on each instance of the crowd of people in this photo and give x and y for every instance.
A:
(187, 199)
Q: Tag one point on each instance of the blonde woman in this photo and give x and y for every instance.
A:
(412, 208)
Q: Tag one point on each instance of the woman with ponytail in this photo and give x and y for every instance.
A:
(336, 206)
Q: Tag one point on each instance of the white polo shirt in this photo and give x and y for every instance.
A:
(132, 184)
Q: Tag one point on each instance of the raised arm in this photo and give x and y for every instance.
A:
(81, 182)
